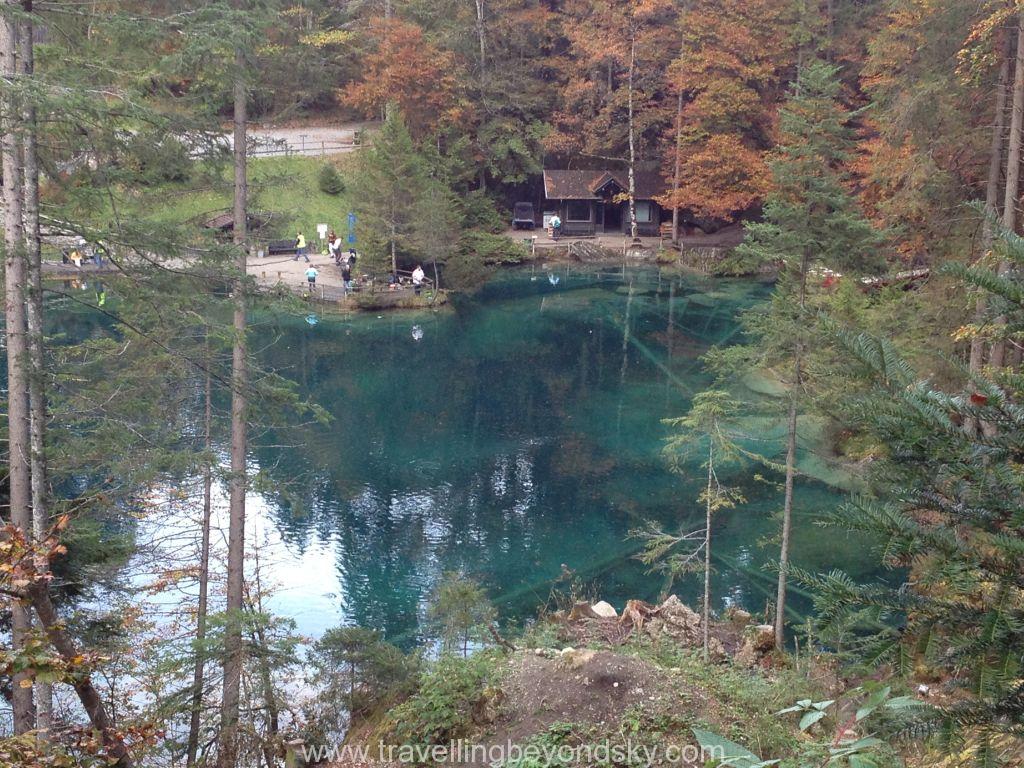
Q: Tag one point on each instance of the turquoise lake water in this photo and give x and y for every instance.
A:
(515, 432)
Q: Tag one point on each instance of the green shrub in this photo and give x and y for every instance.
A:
(442, 709)
(492, 249)
(330, 180)
(479, 212)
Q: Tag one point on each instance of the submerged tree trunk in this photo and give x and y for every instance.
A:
(995, 166)
(18, 364)
(198, 675)
(1013, 158)
(233, 643)
(633, 230)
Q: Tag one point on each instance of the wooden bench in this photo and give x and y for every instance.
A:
(665, 231)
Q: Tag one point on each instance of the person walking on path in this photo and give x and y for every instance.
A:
(417, 278)
(300, 247)
(311, 273)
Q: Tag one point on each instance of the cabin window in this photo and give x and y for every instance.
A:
(577, 210)
(644, 212)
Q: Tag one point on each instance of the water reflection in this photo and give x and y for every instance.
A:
(496, 444)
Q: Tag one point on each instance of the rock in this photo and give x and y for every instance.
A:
(758, 643)
(604, 610)
(738, 616)
(678, 621)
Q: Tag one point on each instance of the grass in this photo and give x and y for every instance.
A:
(287, 187)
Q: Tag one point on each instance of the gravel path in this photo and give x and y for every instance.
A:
(311, 141)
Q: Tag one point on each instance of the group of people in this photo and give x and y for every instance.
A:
(346, 260)
(82, 252)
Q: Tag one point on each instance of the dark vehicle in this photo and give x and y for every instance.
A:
(522, 216)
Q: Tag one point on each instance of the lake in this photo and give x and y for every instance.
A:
(511, 434)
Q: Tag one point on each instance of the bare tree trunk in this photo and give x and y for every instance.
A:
(36, 342)
(678, 163)
(633, 229)
(1013, 158)
(82, 683)
(481, 39)
(233, 644)
(787, 521)
(706, 621)
(198, 675)
(18, 363)
(787, 504)
(394, 246)
(995, 165)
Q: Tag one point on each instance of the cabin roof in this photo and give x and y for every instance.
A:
(585, 185)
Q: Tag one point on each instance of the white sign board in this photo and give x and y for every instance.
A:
(321, 230)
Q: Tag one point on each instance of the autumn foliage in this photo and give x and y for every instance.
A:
(406, 70)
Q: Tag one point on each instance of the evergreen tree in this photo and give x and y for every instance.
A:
(709, 425)
(459, 609)
(810, 222)
(391, 178)
(946, 515)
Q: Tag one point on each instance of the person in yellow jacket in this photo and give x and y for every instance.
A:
(300, 247)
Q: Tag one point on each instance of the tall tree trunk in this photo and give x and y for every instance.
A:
(233, 643)
(394, 244)
(1013, 158)
(481, 40)
(706, 621)
(18, 364)
(787, 520)
(38, 412)
(678, 164)
(787, 504)
(198, 675)
(633, 229)
(90, 698)
(995, 166)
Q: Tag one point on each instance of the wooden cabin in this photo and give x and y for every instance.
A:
(588, 204)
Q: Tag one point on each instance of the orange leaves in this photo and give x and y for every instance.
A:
(411, 73)
(729, 70)
(720, 177)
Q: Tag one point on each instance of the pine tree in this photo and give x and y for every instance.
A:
(709, 426)
(810, 220)
(945, 511)
(391, 177)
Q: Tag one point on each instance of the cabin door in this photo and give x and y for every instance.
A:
(611, 216)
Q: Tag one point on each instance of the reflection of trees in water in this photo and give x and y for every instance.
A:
(490, 446)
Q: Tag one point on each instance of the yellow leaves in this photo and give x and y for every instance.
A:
(326, 37)
(26, 683)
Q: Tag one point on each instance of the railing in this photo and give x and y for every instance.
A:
(302, 145)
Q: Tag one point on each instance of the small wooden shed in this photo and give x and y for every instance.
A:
(588, 201)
